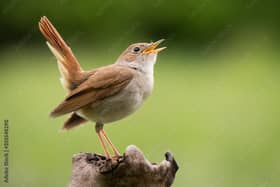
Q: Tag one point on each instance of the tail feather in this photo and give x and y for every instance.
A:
(73, 121)
(68, 65)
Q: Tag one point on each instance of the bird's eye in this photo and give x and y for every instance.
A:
(136, 49)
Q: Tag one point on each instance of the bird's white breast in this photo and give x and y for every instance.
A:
(122, 104)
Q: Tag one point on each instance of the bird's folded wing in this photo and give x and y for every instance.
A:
(103, 83)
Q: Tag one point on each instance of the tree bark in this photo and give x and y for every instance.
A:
(131, 169)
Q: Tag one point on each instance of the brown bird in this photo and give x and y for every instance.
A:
(105, 94)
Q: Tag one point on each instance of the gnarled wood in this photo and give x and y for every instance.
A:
(130, 170)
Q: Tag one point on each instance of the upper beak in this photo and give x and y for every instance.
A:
(152, 48)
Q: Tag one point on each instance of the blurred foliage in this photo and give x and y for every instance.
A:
(189, 22)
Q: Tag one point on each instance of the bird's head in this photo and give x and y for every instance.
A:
(141, 56)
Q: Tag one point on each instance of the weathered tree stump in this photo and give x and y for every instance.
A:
(132, 169)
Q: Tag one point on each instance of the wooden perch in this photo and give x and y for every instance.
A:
(130, 170)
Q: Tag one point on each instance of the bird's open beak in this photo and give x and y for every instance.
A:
(152, 48)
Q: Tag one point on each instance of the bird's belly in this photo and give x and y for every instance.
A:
(113, 108)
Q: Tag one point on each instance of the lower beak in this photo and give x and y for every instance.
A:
(152, 47)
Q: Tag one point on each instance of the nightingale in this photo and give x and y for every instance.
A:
(105, 94)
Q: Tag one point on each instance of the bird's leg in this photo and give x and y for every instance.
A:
(98, 129)
(116, 152)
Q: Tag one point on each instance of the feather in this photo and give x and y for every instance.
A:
(73, 121)
(105, 82)
(69, 68)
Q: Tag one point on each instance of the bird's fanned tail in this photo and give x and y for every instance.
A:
(68, 65)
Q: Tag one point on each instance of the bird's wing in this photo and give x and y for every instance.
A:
(68, 65)
(105, 82)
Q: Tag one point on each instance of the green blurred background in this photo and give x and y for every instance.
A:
(215, 105)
